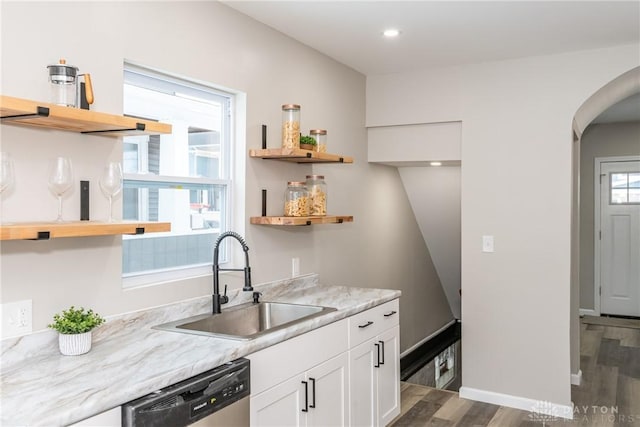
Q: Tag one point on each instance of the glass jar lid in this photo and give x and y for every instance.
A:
(296, 183)
(315, 176)
(290, 107)
(318, 132)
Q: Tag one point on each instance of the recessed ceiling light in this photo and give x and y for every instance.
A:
(436, 163)
(391, 33)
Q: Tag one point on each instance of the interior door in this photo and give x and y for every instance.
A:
(620, 238)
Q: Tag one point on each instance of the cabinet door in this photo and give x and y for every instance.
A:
(389, 376)
(363, 384)
(280, 405)
(328, 393)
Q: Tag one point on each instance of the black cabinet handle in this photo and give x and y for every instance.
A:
(382, 345)
(306, 397)
(313, 392)
(377, 365)
(369, 323)
(389, 314)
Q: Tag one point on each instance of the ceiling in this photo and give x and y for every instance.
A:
(445, 33)
(448, 33)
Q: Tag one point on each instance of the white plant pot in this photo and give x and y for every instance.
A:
(74, 344)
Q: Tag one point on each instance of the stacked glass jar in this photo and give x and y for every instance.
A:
(296, 199)
(317, 189)
(290, 126)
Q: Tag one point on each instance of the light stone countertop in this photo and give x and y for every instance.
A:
(128, 359)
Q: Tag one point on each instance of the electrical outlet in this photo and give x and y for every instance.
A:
(17, 318)
(295, 267)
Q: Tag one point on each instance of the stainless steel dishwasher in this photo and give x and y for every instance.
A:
(219, 397)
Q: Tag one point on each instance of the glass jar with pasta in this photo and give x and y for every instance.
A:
(296, 199)
(290, 126)
(317, 194)
(320, 135)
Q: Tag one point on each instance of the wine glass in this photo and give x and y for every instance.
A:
(6, 171)
(60, 180)
(111, 183)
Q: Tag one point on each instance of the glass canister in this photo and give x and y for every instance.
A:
(290, 126)
(317, 194)
(320, 135)
(296, 199)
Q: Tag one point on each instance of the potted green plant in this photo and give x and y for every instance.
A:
(74, 328)
(307, 143)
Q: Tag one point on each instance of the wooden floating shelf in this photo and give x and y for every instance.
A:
(24, 112)
(54, 230)
(300, 220)
(298, 155)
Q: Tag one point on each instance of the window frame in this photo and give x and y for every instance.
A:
(233, 164)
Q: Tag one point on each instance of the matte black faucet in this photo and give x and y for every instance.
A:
(218, 299)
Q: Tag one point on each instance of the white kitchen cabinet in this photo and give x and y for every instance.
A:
(374, 362)
(302, 381)
(317, 397)
(280, 405)
(389, 376)
(328, 393)
(343, 374)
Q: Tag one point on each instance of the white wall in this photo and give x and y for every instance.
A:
(601, 140)
(205, 41)
(434, 194)
(516, 185)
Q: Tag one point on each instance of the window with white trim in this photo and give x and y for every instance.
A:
(183, 178)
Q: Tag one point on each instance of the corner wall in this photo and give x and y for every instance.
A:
(516, 185)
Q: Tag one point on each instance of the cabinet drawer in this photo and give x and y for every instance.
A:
(368, 324)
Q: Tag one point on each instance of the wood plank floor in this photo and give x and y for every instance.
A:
(608, 396)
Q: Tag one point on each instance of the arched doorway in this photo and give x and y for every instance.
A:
(619, 89)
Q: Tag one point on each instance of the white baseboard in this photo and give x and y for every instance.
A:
(576, 379)
(588, 312)
(526, 404)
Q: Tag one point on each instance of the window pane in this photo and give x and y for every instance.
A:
(618, 196)
(619, 180)
(195, 212)
(634, 180)
(634, 195)
(194, 148)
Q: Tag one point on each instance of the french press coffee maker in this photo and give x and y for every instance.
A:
(65, 87)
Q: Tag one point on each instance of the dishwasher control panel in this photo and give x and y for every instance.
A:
(191, 400)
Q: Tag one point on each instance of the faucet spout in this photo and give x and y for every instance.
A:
(217, 299)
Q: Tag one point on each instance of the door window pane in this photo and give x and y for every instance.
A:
(625, 188)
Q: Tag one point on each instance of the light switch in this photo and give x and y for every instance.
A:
(487, 243)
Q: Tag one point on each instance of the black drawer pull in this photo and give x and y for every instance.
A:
(313, 392)
(369, 323)
(382, 345)
(306, 397)
(377, 365)
(391, 313)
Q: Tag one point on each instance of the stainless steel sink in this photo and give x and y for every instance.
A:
(246, 321)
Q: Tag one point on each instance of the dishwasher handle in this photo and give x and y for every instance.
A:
(206, 388)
